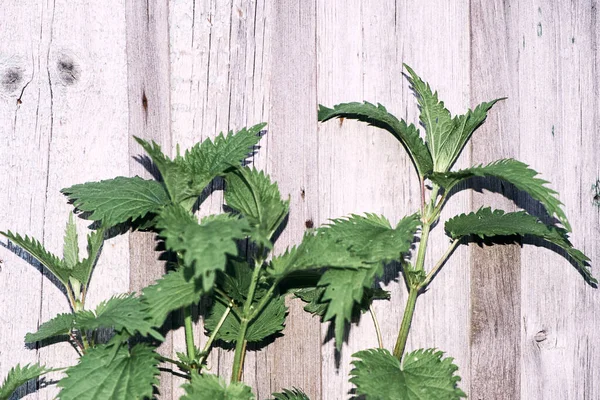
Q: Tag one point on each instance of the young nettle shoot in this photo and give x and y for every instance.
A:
(373, 240)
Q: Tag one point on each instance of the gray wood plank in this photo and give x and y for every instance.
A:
(291, 159)
(558, 119)
(23, 174)
(148, 88)
(495, 270)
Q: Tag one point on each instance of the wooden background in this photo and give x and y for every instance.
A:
(79, 78)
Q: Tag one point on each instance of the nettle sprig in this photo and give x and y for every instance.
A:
(247, 299)
(379, 373)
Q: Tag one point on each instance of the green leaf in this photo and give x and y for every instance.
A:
(54, 264)
(82, 271)
(123, 313)
(57, 326)
(268, 322)
(378, 116)
(71, 246)
(317, 250)
(204, 246)
(18, 376)
(103, 373)
(235, 282)
(213, 158)
(118, 200)
(372, 237)
(515, 173)
(313, 296)
(208, 386)
(446, 136)
(294, 394)
(171, 292)
(252, 194)
(488, 223)
(344, 290)
(186, 176)
(175, 174)
(423, 375)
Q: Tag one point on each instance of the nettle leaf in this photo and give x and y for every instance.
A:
(235, 282)
(123, 313)
(372, 237)
(103, 373)
(18, 376)
(446, 136)
(71, 246)
(37, 251)
(82, 270)
(488, 223)
(423, 374)
(313, 296)
(204, 246)
(57, 326)
(252, 194)
(186, 176)
(514, 172)
(268, 322)
(171, 292)
(116, 201)
(215, 157)
(378, 116)
(208, 386)
(294, 394)
(344, 290)
(175, 174)
(317, 306)
(317, 250)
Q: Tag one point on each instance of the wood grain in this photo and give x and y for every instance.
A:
(70, 114)
(495, 270)
(559, 137)
(148, 90)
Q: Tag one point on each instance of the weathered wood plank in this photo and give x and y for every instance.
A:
(70, 115)
(292, 161)
(558, 118)
(148, 89)
(495, 271)
(23, 171)
(363, 169)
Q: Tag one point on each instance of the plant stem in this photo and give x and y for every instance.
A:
(439, 264)
(247, 312)
(423, 246)
(240, 349)
(263, 302)
(377, 328)
(189, 332)
(406, 321)
(214, 333)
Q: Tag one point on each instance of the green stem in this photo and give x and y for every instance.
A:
(439, 265)
(263, 302)
(214, 333)
(240, 344)
(406, 321)
(377, 328)
(423, 246)
(240, 349)
(189, 332)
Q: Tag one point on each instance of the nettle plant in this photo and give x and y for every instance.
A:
(224, 260)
